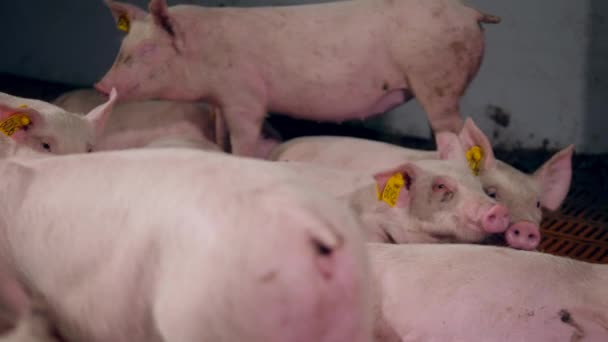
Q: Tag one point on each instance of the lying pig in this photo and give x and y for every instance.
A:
(437, 201)
(484, 293)
(48, 128)
(179, 142)
(327, 62)
(137, 124)
(523, 194)
(129, 250)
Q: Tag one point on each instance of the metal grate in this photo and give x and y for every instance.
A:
(580, 229)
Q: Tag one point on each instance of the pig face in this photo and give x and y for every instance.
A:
(446, 198)
(149, 54)
(522, 193)
(46, 128)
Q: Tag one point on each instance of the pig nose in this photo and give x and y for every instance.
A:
(326, 248)
(496, 219)
(101, 88)
(523, 235)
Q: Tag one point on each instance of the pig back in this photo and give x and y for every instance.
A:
(130, 225)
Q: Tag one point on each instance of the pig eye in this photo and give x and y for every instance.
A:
(491, 192)
(46, 146)
(321, 248)
(442, 188)
(538, 204)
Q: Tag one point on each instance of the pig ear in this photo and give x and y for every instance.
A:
(33, 116)
(449, 147)
(409, 172)
(98, 116)
(470, 136)
(554, 177)
(120, 9)
(160, 12)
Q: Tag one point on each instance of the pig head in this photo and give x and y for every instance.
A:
(48, 128)
(249, 67)
(437, 201)
(524, 194)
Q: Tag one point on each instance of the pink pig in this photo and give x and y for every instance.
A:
(135, 124)
(52, 129)
(439, 202)
(329, 62)
(454, 293)
(120, 246)
(523, 194)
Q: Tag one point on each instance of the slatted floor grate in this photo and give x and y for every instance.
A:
(579, 230)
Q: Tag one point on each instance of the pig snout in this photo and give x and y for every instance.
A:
(102, 88)
(496, 219)
(523, 235)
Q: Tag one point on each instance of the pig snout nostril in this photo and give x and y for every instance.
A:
(516, 232)
(321, 248)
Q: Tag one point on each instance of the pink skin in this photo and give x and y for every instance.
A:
(14, 302)
(55, 130)
(523, 194)
(135, 124)
(523, 235)
(282, 59)
(463, 292)
(178, 280)
(441, 201)
(496, 219)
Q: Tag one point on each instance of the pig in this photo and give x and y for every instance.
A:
(51, 129)
(439, 202)
(485, 293)
(129, 250)
(333, 61)
(178, 142)
(137, 124)
(523, 194)
(34, 326)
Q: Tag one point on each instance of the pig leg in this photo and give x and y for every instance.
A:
(441, 102)
(245, 128)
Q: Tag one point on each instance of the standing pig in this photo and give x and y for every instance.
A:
(523, 194)
(460, 293)
(48, 128)
(436, 201)
(127, 250)
(328, 62)
(137, 124)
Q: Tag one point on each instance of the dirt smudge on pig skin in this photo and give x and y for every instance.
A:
(567, 318)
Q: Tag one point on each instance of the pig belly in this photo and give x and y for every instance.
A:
(323, 104)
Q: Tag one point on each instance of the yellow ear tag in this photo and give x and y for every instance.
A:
(391, 191)
(474, 156)
(123, 23)
(13, 123)
(23, 106)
